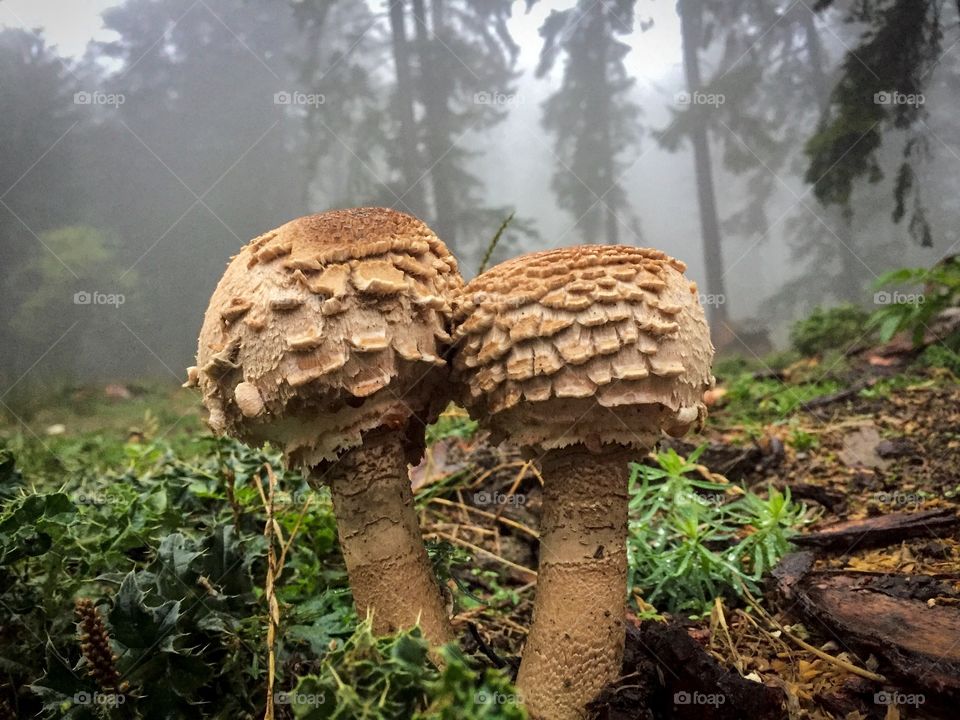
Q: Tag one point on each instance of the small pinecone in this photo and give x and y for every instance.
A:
(95, 646)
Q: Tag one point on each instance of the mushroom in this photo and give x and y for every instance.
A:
(581, 356)
(320, 341)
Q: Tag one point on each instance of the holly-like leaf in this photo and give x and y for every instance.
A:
(138, 627)
(174, 577)
(163, 703)
(61, 683)
(33, 523)
(187, 673)
(224, 563)
(10, 477)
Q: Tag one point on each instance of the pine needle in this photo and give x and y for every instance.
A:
(494, 241)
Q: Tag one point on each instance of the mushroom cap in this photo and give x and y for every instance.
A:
(592, 344)
(327, 327)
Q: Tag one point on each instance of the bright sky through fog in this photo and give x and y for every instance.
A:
(68, 24)
(71, 24)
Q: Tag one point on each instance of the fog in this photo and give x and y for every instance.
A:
(142, 148)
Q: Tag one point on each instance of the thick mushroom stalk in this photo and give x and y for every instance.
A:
(581, 356)
(326, 337)
(581, 600)
(390, 573)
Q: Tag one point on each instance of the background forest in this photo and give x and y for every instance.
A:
(797, 558)
(790, 152)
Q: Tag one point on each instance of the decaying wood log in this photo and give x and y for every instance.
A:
(898, 618)
(667, 673)
(882, 530)
(845, 394)
(833, 500)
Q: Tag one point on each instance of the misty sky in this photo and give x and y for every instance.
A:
(71, 25)
(138, 170)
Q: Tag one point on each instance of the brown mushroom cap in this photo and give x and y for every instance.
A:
(592, 344)
(329, 326)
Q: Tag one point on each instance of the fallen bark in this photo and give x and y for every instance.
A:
(845, 394)
(734, 463)
(882, 530)
(898, 618)
(667, 673)
(833, 500)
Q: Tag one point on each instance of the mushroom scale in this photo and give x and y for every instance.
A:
(581, 356)
(326, 325)
(591, 344)
(326, 338)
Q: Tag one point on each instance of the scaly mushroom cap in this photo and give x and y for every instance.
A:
(329, 326)
(592, 344)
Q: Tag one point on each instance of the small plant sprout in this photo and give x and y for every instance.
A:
(693, 540)
(917, 311)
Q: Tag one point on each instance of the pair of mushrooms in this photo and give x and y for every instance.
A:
(330, 337)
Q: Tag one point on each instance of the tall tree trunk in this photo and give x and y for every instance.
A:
(312, 156)
(413, 196)
(609, 152)
(840, 222)
(851, 288)
(433, 93)
(613, 226)
(691, 14)
(603, 217)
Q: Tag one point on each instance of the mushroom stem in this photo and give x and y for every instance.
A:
(575, 646)
(390, 573)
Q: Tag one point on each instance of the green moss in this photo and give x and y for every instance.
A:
(836, 328)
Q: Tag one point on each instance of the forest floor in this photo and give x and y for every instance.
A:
(880, 442)
(862, 440)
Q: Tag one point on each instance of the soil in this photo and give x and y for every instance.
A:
(802, 655)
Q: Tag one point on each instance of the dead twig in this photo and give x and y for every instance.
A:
(491, 516)
(718, 619)
(272, 532)
(487, 473)
(492, 656)
(483, 551)
(845, 394)
(513, 488)
(849, 667)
